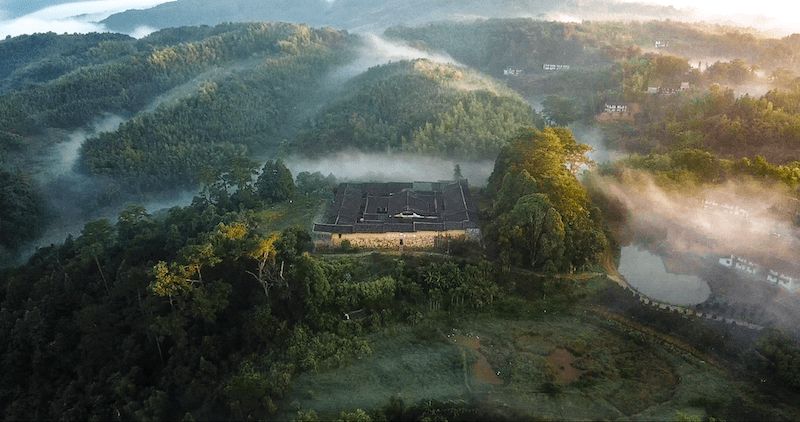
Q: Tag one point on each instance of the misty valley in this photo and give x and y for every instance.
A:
(463, 219)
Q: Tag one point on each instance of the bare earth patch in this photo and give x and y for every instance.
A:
(483, 372)
(562, 360)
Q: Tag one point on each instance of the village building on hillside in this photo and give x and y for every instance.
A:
(400, 215)
(774, 271)
(513, 72)
(616, 108)
(664, 90)
(549, 66)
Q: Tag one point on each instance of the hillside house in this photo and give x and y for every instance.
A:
(548, 66)
(616, 108)
(513, 72)
(400, 215)
(684, 87)
(778, 275)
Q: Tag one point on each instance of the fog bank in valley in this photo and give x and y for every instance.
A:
(735, 216)
(365, 167)
(376, 51)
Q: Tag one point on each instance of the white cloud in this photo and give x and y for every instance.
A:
(99, 9)
(81, 17)
(26, 25)
(142, 32)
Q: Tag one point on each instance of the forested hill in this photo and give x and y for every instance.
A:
(38, 58)
(420, 107)
(524, 43)
(245, 106)
(194, 96)
(125, 76)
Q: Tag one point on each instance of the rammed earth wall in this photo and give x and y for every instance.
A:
(392, 240)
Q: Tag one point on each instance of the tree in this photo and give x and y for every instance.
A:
(534, 229)
(574, 152)
(548, 157)
(275, 183)
(513, 188)
(22, 209)
(457, 173)
(97, 235)
(267, 274)
(559, 111)
(784, 353)
(241, 172)
(313, 182)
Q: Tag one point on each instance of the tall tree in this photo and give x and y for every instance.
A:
(275, 183)
(534, 230)
(559, 111)
(22, 209)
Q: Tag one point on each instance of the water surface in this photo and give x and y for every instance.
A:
(647, 274)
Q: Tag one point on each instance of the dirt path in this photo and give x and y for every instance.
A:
(482, 371)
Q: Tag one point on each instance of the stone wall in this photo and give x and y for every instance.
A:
(392, 240)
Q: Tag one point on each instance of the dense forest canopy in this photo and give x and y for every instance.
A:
(229, 91)
(491, 44)
(542, 216)
(421, 107)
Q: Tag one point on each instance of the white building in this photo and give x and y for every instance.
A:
(776, 278)
(513, 72)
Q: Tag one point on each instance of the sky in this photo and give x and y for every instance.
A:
(24, 16)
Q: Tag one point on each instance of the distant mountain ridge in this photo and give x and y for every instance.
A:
(367, 16)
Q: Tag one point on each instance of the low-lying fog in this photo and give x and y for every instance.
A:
(377, 50)
(737, 214)
(392, 167)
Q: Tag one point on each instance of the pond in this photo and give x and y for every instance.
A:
(646, 273)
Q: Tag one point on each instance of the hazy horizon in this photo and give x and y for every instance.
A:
(60, 16)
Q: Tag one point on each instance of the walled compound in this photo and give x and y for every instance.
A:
(399, 215)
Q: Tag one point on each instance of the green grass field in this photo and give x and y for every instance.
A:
(299, 212)
(613, 373)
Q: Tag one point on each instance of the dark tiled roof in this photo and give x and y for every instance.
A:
(399, 207)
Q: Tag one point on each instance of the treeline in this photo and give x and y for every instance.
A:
(419, 107)
(688, 167)
(542, 217)
(39, 58)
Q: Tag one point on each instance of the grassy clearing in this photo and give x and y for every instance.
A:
(280, 216)
(614, 373)
(555, 358)
(401, 364)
